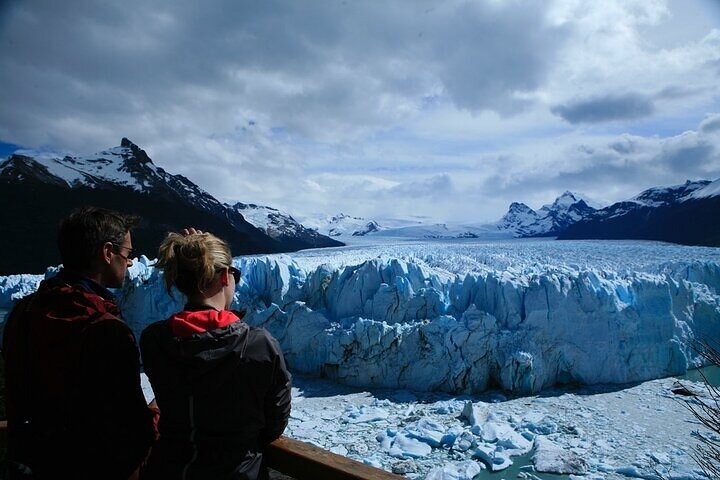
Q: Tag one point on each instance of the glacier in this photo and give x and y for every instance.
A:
(465, 317)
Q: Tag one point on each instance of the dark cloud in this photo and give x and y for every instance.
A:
(674, 92)
(84, 69)
(690, 157)
(623, 146)
(711, 124)
(433, 187)
(485, 52)
(611, 107)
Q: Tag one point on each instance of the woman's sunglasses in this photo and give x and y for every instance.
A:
(236, 274)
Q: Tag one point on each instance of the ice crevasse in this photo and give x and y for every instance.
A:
(401, 324)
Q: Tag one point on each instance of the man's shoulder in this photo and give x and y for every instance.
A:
(69, 299)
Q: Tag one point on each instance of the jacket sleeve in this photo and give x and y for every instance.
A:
(121, 409)
(277, 400)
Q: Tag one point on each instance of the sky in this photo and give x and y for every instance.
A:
(447, 110)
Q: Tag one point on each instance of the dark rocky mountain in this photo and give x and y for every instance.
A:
(35, 193)
(688, 214)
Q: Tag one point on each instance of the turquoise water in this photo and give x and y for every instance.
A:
(520, 464)
(712, 374)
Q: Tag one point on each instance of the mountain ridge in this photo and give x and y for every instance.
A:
(38, 192)
(678, 213)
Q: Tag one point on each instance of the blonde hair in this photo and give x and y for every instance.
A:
(191, 262)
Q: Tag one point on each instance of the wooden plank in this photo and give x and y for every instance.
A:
(304, 461)
(301, 460)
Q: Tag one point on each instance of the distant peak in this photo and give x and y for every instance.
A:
(125, 143)
(137, 151)
(519, 206)
(569, 199)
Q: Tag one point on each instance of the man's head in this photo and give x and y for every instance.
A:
(96, 242)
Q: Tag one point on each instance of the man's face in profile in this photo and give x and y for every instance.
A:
(119, 263)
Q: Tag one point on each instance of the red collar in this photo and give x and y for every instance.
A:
(186, 323)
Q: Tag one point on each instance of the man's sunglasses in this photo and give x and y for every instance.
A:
(236, 274)
(118, 247)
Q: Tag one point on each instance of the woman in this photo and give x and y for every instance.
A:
(222, 387)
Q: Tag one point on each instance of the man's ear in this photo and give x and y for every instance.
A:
(225, 277)
(106, 253)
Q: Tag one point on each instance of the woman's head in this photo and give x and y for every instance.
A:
(193, 263)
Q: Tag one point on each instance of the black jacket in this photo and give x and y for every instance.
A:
(74, 404)
(223, 394)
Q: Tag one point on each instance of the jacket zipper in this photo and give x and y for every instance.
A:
(193, 430)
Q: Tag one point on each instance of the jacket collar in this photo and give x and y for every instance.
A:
(90, 286)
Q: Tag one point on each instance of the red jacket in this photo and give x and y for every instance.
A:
(75, 407)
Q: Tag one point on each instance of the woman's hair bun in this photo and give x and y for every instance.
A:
(191, 262)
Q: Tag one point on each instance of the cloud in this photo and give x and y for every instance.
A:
(437, 186)
(690, 154)
(628, 106)
(452, 109)
(608, 168)
(711, 124)
(322, 70)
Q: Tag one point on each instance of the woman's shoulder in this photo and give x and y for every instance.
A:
(155, 329)
(261, 342)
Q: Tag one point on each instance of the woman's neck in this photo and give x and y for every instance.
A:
(216, 301)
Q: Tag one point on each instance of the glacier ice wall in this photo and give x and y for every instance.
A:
(399, 323)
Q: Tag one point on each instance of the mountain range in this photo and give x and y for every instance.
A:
(686, 214)
(36, 192)
(549, 220)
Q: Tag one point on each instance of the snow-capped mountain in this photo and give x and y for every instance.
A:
(662, 196)
(346, 227)
(549, 220)
(342, 225)
(685, 214)
(282, 226)
(36, 191)
(708, 191)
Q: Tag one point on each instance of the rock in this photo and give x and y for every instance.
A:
(404, 466)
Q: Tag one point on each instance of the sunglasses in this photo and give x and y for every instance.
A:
(236, 274)
(118, 247)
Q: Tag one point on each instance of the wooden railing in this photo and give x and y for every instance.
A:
(302, 461)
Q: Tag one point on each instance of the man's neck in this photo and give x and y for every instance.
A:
(89, 282)
(95, 277)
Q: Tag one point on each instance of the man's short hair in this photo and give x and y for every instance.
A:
(86, 230)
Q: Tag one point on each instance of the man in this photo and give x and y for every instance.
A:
(75, 407)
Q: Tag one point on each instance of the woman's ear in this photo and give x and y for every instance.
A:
(225, 277)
